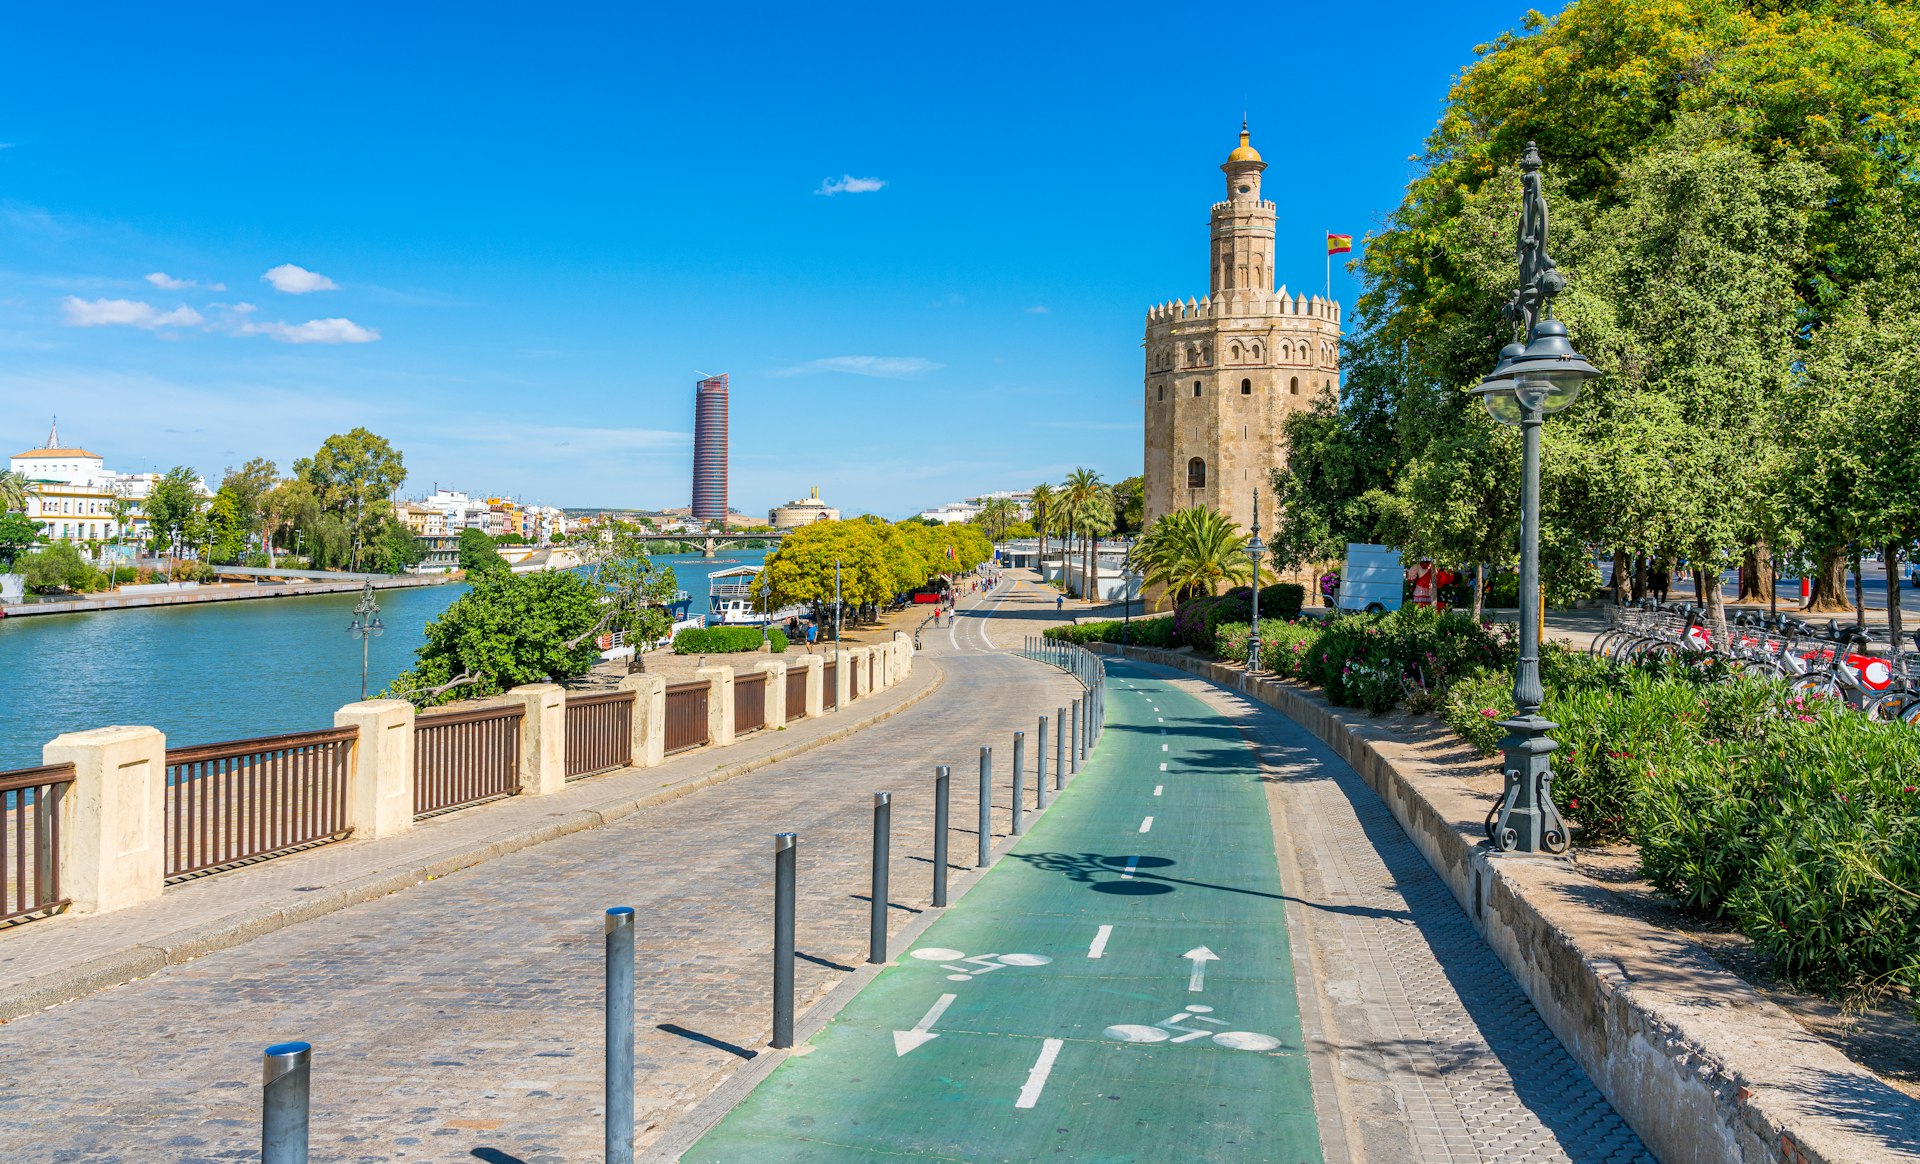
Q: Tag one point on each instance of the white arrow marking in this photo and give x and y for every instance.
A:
(1099, 946)
(1037, 1078)
(904, 1041)
(1201, 956)
(1157, 788)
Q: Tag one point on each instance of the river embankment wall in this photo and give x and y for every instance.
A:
(217, 593)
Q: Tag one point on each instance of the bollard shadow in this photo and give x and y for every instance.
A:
(708, 1040)
(1102, 874)
(495, 1156)
(818, 961)
(867, 897)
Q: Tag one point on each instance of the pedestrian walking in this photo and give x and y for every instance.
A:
(812, 630)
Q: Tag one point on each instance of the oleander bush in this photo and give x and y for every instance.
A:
(726, 640)
(1282, 600)
(1286, 647)
(1231, 641)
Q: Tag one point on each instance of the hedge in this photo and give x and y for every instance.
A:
(726, 640)
(1146, 632)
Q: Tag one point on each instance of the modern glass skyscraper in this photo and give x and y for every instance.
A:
(710, 450)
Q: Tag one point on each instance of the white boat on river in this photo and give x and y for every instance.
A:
(733, 599)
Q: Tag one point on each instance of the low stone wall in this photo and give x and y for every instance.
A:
(1702, 1066)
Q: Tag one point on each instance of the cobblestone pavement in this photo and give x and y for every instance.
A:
(461, 1019)
(1429, 1050)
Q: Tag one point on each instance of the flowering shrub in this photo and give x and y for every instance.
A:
(1231, 640)
(1287, 647)
(1145, 632)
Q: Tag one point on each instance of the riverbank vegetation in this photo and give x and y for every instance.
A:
(1737, 213)
(727, 640)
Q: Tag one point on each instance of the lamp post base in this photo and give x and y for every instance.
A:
(1525, 819)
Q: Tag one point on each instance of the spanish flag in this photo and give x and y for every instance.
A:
(1339, 244)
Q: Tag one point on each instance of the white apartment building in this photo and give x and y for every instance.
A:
(74, 496)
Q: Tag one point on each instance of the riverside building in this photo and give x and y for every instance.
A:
(1225, 372)
(805, 511)
(73, 496)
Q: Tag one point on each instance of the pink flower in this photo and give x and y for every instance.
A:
(1804, 718)
(1489, 713)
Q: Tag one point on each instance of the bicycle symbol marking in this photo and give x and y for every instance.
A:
(979, 964)
(1162, 1032)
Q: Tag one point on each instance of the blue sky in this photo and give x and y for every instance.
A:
(509, 237)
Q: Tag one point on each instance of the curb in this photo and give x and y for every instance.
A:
(1704, 1068)
(138, 961)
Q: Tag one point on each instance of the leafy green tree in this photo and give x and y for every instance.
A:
(1020, 531)
(354, 474)
(288, 507)
(226, 527)
(18, 534)
(58, 567)
(397, 549)
(1044, 515)
(477, 553)
(802, 569)
(174, 505)
(249, 486)
(635, 590)
(1130, 506)
(507, 630)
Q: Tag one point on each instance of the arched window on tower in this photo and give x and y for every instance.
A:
(1196, 387)
(1246, 387)
(1293, 385)
(1236, 351)
(1196, 474)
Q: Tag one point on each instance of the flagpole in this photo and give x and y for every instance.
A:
(1329, 264)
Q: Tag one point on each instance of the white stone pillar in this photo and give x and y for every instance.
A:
(649, 745)
(543, 738)
(113, 817)
(843, 678)
(903, 645)
(719, 682)
(380, 788)
(776, 712)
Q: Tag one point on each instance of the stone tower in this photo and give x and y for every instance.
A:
(1223, 373)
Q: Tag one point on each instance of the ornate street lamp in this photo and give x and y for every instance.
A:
(1255, 549)
(766, 589)
(366, 625)
(836, 602)
(1529, 384)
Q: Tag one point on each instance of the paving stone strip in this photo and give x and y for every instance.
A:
(461, 1019)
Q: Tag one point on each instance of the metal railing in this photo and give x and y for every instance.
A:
(30, 803)
(686, 725)
(749, 702)
(796, 693)
(830, 686)
(246, 800)
(599, 733)
(465, 757)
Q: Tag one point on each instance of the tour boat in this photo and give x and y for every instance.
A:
(733, 599)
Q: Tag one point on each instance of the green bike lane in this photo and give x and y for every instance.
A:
(1118, 987)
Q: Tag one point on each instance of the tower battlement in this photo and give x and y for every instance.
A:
(1253, 304)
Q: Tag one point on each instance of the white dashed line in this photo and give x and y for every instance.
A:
(1163, 747)
(1163, 767)
(1099, 946)
(1037, 1078)
(1133, 863)
(1157, 788)
(1146, 825)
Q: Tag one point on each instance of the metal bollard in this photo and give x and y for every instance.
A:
(1059, 749)
(1073, 746)
(1040, 767)
(882, 853)
(1019, 778)
(619, 1066)
(784, 845)
(286, 1082)
(986, 806)
(941, 783)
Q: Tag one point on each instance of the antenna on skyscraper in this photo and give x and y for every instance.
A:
(703, 375)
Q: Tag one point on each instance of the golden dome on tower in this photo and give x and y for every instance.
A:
(1243, 152)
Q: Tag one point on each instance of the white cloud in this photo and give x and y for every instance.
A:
(125, 313)
(314, 331)
(883, 367)
(848, 184)
(167, 282)
(1037, 311)
(298, 280)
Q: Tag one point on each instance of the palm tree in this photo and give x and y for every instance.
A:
(1190, 552)
(997, 514)
(1043, 500)
(1079, 502)
(13, 491)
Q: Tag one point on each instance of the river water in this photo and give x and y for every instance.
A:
(222, 670)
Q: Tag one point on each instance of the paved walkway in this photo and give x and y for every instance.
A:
(461, 1018)
(1123, 988)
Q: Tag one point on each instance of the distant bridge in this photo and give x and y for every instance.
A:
(710, 543)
